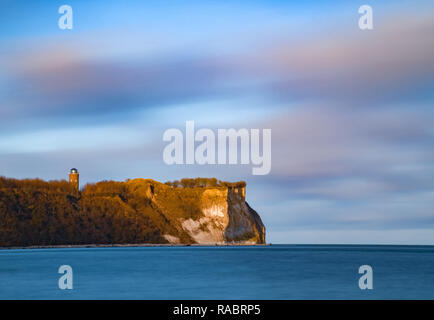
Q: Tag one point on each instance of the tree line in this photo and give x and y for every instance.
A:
(204, 183)
(35, 212)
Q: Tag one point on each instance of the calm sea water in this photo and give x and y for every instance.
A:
(272, 272)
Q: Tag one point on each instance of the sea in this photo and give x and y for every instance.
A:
(219, 272)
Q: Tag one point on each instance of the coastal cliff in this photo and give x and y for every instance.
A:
(199, 211)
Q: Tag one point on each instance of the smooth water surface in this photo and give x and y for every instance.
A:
(257, 272)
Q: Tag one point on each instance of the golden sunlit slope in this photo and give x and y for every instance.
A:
(204, 211)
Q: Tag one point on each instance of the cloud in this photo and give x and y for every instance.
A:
(348, 188)
(324, 141)
(405, 236)
(68, 79)
(362, 68)
(370, 213)
(72, 87)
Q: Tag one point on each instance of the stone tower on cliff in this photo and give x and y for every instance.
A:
(74, 179)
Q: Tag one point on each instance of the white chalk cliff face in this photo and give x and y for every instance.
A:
(226, 218)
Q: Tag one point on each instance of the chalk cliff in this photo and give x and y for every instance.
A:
(193, 211)
(207, 215)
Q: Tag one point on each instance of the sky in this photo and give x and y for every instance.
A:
(351, 111)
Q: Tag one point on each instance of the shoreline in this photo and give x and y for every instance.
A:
(138, 245)
(66, 246)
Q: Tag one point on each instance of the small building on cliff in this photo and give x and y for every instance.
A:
(74, 177)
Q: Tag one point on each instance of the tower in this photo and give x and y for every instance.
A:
(74, 179)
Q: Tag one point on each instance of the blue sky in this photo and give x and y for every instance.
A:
(351, 111)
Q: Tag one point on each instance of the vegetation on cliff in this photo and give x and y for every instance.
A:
(36, 212)
(203, 183)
